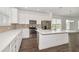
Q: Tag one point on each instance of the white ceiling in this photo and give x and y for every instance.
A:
(57, 11)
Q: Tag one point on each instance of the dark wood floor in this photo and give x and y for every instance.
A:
(30, 45)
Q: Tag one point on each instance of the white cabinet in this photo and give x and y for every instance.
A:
(51, 40)
(27, 21)
(23, 21)
(7, 49)
(8, 15)
(18, 42)
(14, 46)
(5, 16)
(25, 33)
(4, 20)
(0, 20)
(14, 15)
(38, 21)
(23, 18)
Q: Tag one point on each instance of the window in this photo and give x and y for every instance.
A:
(69, 24)
(78, 24)
(46, 24)
(56, 24)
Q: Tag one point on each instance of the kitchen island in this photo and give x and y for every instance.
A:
(50, 38)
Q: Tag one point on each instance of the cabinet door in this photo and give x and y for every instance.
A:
(20, 38)
(4, 21)
(17, 43)
(22, 21)
(0, 20)
(27, 21)
(14, 15)
(25, 33)
(7, 49)
(13, 48)
(13, 45)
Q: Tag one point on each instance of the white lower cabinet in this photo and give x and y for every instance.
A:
(14, 46)
(17, 44)
(12, 49)
(7, 49)
(25, 33)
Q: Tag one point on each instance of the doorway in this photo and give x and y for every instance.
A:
(33, 28)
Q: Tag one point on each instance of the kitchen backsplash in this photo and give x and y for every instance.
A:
(5, 28)
(20, 26)
(16, 26)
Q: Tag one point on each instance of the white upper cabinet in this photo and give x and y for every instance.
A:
(22, 21)
(4, 20)
(4, 16)
(14, 15)
(27, 21)
(0, 20)
(23, 18)
(8, 15)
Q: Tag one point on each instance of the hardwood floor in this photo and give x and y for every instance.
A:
(30, 45)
